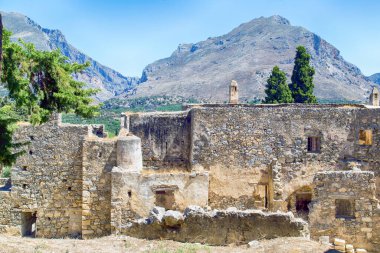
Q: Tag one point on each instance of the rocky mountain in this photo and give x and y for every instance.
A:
(375, 78)
(247, 54)
(109, 81)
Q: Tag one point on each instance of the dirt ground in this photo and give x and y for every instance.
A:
(116, 244)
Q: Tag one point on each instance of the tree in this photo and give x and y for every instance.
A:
(1, 41)
(39, 83)
(302, 85)
(277, 90)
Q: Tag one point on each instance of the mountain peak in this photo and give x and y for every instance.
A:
(278, 20)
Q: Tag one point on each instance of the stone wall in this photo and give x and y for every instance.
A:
(356, 220)
(239, 144)
(165, 139)
(134, 194)
(217, 227)
(47, 180)
(8, 216)
(64, 179)
(99, 157)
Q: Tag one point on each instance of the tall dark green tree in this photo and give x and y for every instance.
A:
(277, 90)
(302, 85)
(39, 84)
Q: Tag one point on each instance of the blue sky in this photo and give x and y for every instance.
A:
(129, 34)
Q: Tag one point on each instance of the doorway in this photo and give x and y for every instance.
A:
(28, 224)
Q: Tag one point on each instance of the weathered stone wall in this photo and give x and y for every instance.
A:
(99, 157)
(239, 144)
(48, 178)
(64, 177)
(217, 227)
(8, 216)
(133, 193)
(357, 188)
(165, 138)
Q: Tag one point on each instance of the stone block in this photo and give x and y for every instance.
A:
(254, 244)
(339, 242)
(349, 247)
(361, 251)
(325, 240)
(341, 248)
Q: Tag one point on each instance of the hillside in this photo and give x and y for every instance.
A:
(247, 54)
(109, 81)
(375, 78)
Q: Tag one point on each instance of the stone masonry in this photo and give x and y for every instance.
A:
(310, 160)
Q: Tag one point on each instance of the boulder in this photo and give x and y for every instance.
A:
(254, 244)
(173, 218)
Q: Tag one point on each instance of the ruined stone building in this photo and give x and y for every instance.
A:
(320, 162)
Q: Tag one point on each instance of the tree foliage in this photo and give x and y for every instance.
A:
(39, 83)
(277, 90)
(8, 120)
(302, 85)
(42, 82)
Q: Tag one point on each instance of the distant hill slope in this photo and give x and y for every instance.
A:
(108, 80)
(375, 78)
(247, 54)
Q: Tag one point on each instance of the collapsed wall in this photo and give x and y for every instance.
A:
(217, 227)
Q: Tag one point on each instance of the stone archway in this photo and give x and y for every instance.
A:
(299, 200)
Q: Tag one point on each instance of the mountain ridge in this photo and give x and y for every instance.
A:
(109, 81)
(247, 54)
(375, 78)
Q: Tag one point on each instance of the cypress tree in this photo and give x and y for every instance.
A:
(277, 91)
(302, 85)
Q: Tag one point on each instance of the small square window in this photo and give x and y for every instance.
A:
(345, 208)
(314, 144)
(365, 137)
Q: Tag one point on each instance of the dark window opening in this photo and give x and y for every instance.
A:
(24, 186)
(31, 138)
(69, 188)
(28, 224)
(100, 154)
(302, 204)
(129, 193)
(365, 137)
(345, 208)
(30, 152)
(24, 168)
(165, 198)
(314, 144)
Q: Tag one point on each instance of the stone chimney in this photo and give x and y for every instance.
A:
(234, 96)
(374, 97)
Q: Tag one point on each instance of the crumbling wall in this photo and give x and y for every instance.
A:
(217, 227)
(239, 144)
(8, 216)
(165, 138)
(134, 194)
(357, 221)
(99, 157)
(47, 179)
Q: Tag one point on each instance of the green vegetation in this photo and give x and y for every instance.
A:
(302, 85)
(37, 84)
(6, 172)
(110, 112)
(277, 91)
